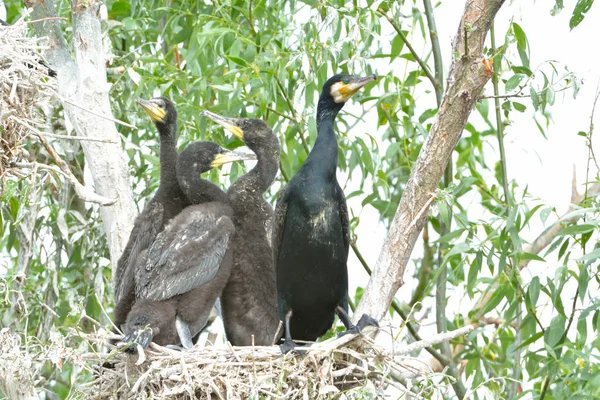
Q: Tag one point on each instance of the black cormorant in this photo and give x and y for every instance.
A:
(249, 300)
(181, 274)
(310, 230)
(168, 201)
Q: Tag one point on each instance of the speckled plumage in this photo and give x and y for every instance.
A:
(249, 300)
(168, 201)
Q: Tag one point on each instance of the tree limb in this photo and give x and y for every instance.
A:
(467, 78)
(82, 80)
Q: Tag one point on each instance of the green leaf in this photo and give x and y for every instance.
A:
(555, 331)
(519, 107)
(474, 272)
(520, 36)
(577, 229)
(533, 291)
(237, 60)
(582, 7)
(531, 256)
(535, 99)
(513, 82)
(590, 256)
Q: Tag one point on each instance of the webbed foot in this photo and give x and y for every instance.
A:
(291, 346)
(143, 337)
(364, 321)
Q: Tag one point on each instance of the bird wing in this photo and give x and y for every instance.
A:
(186, 254)
(339, 193)
(278, 223)
(145, 229)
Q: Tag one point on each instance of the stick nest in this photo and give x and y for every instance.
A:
(349, 367)
(25, 84)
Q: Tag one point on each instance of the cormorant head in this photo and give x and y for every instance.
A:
(161, 110)
(338, 90)
(201, 156)
(255, 133)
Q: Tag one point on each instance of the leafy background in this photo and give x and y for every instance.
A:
(269, 59)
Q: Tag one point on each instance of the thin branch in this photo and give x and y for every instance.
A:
(291, 107)
(418, 59)
(435, 339)
(83, 192)
(56, 136)
(516, 373)
(106, 117)
(437, 53)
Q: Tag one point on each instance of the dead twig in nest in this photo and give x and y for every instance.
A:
(353, 365)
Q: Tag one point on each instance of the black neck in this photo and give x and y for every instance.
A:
(322, 159)
(168, 154)
(262, 175)
(200, 190)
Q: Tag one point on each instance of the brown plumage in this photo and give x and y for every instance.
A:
(249, 300)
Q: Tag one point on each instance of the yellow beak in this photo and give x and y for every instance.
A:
(156, 113)
(351, 88)
(231, 124)
(231, 156)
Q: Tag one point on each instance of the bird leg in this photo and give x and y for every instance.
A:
(185, 336)
(364, 321)
(142, 336)
(288, 344)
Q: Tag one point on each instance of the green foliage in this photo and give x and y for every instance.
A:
(269, 59)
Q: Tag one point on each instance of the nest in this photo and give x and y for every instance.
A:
(352, 366)
(25, 84)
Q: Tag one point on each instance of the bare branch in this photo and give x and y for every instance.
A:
(106, 117)
(467, 77)
(422, 63)
(83, 192)
(435, 339)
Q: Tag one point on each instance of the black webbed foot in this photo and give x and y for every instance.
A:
(288, 344)
(364, 321)
(143, 337)
(291, 346)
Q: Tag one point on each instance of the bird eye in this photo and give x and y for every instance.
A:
(346, 80)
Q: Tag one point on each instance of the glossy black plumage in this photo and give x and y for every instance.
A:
(249, 300)
(310, 228)
(180, 276)
(168, 201)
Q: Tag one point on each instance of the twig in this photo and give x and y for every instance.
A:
(83, 192)
(40, 20)
(437, 53)
(436, 339)
(116, 121)
(426, 70)
(422, 210)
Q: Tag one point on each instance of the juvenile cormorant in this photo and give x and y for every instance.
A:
(168, 201)
(249, 300)
(180, 276)
(310, 230)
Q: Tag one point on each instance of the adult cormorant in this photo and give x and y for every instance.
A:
(249, 300)
(168, 201)
(310, 230)
(181, 274)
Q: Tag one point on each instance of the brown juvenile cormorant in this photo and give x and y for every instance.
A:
(167, 202)
(180, 276)
(249, 300)
(310, 230)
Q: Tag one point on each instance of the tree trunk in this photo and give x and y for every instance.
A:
(468, 75)
(82, 81)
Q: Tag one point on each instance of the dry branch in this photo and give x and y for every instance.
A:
(466, 80)
(83, 192)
